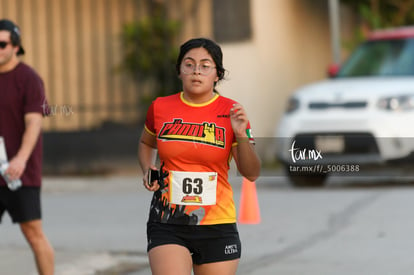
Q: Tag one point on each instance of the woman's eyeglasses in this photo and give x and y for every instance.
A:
(3, 44)
(190, 68)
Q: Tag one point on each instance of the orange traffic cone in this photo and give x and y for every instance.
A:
(249, 212)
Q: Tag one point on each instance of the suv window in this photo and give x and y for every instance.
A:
(381, 58)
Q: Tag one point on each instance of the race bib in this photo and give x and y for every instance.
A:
(193, 188)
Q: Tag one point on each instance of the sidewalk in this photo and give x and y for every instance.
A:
(19, 260)
(80, 246)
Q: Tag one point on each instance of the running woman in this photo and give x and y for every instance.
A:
(196, 132)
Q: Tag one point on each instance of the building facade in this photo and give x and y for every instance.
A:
(270, 48)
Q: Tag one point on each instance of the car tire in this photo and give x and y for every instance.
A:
(300, 179)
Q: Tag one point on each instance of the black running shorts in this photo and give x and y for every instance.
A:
(206, 243)
(22, 205)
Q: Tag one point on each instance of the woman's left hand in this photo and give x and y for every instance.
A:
(239, 120)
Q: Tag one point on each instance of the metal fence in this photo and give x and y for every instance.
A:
(76, 48)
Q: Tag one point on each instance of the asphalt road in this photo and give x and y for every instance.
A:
(97, 226)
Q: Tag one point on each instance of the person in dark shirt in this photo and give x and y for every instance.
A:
(22, 107)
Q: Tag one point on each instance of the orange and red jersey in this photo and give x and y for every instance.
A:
(193, 138)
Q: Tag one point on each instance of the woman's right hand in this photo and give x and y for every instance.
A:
(150, 186)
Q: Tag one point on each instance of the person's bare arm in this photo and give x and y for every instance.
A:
(33, 124)
(147, 150)
(247, 161)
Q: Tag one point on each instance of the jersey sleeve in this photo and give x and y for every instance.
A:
(149, 121)
(34, 96)
(249, 133)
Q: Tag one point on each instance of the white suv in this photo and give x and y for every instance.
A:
(363, 115)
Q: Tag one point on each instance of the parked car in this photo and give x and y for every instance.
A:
(362, 116)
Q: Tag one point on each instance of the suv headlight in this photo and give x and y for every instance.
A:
(292, 105)
(397, 103)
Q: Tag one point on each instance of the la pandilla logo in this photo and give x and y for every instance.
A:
(207, 133)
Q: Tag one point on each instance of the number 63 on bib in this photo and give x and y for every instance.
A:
(193, 188)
